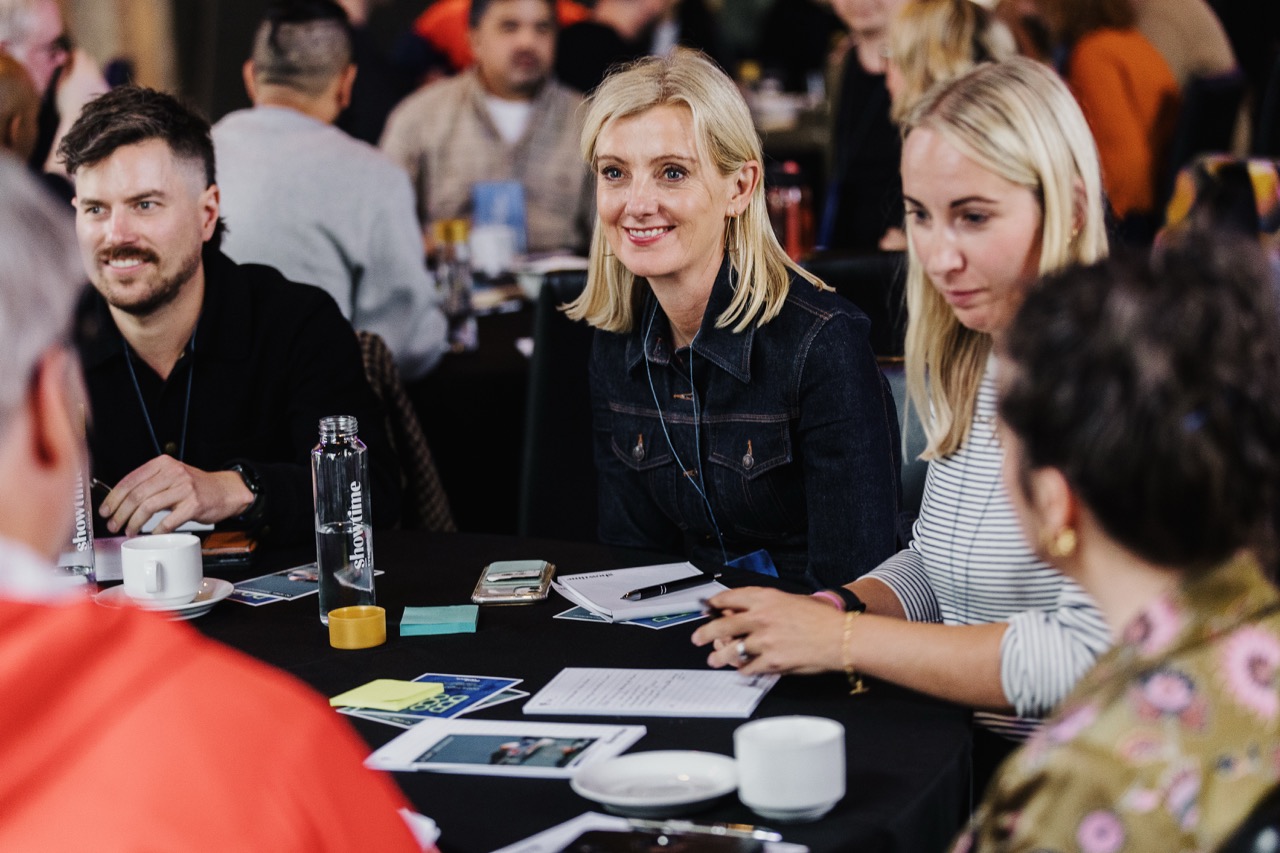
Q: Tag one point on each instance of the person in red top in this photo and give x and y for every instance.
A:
(1127, 92)
(124, 732)
(444, 26)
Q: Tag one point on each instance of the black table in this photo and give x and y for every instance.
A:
(908, 756)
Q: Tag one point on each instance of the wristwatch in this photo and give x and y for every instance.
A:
(847, 598)
(253, 483)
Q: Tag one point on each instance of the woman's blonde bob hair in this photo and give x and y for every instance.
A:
(726, 139)
(935, 40)
(1017, 120)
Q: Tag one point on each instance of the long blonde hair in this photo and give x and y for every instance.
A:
(935, 40)
(727, 139)
(1016, 119)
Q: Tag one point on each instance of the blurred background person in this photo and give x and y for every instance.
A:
(1188, 35)
(737, 403)
(1129, 96)
(504, 119)
(1142, 453)
(444, 26)
(864, 190)
(1001, 185)
(19, 108)
(323, 208)
(617, 32)
(935, 40)
(931, 41)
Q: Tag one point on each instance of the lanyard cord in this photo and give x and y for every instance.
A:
(186, 406)
(697, 443)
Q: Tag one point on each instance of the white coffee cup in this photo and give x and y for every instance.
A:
(790, 769)
(162, 570)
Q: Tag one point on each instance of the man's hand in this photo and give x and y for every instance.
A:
(188, 493)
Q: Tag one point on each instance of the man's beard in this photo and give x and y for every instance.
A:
(165, 291)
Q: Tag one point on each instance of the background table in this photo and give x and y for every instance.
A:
(908, 756)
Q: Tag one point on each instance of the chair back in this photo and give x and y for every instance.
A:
(875, 283)
(1206, 123)
(1266, 134)
(558, 475)
(425, 506)
(1260, 832)
(914, 468)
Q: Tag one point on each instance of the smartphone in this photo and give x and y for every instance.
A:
(227, 549)
(514, 582)
(636, 841)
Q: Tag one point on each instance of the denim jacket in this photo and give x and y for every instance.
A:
(795, 438)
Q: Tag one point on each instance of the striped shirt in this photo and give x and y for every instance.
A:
(969, 564)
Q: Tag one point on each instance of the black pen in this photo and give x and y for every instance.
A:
(670, 586)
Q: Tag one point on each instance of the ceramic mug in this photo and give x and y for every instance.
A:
(162, 570)
(790, 769)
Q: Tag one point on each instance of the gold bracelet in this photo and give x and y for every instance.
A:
(855, 681)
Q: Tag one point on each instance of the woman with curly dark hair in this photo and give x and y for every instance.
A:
(1140, 418)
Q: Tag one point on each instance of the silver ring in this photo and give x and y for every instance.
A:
(741, 648)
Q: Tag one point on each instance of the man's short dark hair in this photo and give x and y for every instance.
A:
(479, 7)
(303, 45)
(129, 115)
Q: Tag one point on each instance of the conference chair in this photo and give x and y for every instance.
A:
(1266, 134)
(1206, 123)
(914, 440)
(425, 505)
(558, 474)
(874, 282)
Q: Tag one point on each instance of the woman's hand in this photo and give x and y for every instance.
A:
(777, 631)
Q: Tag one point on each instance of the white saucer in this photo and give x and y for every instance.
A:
(804, 815)
(212, 590)
(657, 784)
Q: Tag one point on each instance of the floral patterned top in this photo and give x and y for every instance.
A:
(1167, 744)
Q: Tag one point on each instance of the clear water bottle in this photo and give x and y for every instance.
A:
(344, 533)
(456, 282)
(76, 556)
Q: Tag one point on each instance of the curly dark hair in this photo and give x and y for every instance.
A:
(128, 115)
(1154, 387)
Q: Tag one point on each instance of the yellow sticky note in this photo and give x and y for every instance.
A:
(387, 694)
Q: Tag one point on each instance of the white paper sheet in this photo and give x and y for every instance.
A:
(601, 592)
(608, 692)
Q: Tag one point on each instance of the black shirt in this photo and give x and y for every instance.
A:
(585, 52)
(270, 358)
(866, 186)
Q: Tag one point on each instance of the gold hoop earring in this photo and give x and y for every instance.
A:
(1062, 544)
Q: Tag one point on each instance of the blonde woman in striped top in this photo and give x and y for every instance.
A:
(1002, 184)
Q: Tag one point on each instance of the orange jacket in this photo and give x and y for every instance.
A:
(1130, 98)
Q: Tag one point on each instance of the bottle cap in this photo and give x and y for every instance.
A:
(362, 626)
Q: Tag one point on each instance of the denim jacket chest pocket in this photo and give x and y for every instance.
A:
(754, 473)
(639, 444)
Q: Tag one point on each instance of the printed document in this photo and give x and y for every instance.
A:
(610, 692)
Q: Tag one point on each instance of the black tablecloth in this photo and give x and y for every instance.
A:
(908, 757)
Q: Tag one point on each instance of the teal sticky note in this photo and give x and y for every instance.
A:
(455, 619)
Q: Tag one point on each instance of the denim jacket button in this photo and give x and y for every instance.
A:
(637, 453)
(748, 461)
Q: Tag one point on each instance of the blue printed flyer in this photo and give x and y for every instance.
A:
(461, 694)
